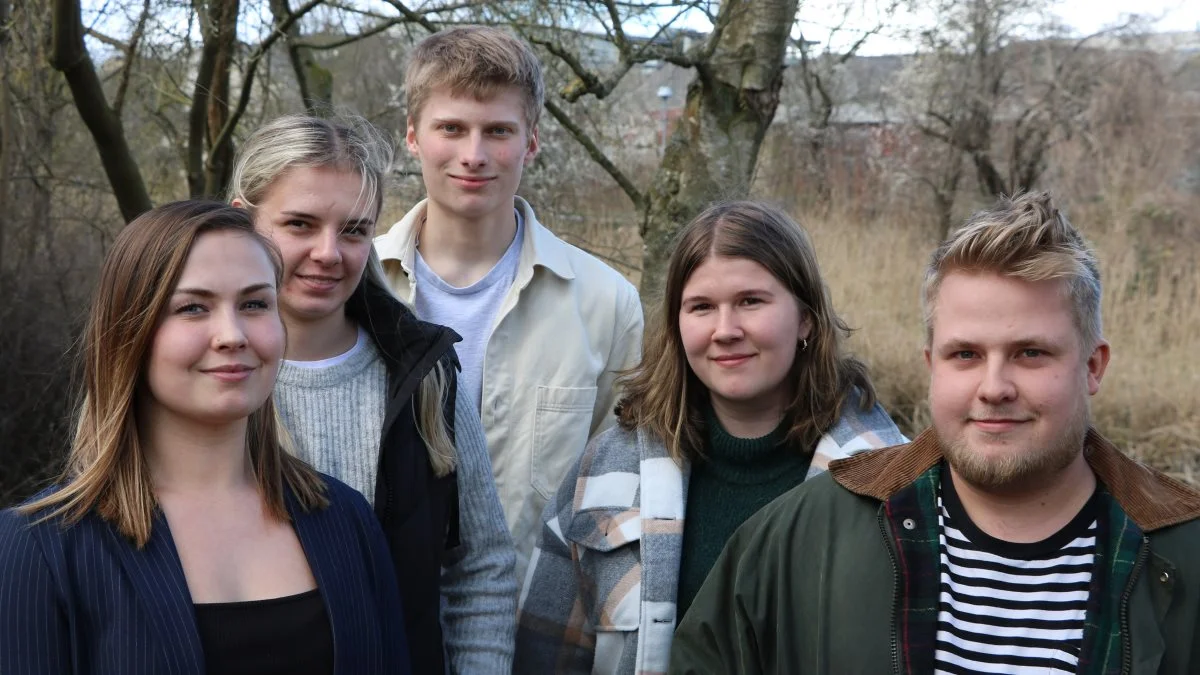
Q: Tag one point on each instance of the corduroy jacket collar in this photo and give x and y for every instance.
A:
(1152, 499)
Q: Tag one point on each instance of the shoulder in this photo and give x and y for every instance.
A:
(21, 544)
(345, 503)
(591, 275)
(858, 429)
(814, 513)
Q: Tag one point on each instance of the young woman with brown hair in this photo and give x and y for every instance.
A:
(183, 537)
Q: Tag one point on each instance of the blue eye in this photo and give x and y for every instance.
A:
(190, 308)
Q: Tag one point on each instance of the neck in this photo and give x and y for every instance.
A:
(747, 421)
(189, 456)
(320, 339)
(461, 250)
(1032, 512)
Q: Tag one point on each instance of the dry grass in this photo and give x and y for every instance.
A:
(1150, 399)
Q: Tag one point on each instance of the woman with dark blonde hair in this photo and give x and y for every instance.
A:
(744, 391)
(183, 537)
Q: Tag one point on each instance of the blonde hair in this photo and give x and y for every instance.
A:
(474, 60)
(665, 396)
(106, 469)
(348, 143)
(1025, 237)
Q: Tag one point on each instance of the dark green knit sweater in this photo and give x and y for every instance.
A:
(735, 478)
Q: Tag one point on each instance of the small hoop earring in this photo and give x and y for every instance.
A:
(803, 344)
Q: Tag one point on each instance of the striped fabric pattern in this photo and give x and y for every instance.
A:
(1002, 614)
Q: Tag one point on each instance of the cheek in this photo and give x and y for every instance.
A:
(269, 339)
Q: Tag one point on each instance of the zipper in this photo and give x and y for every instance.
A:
(889, 544)
(1126, 640)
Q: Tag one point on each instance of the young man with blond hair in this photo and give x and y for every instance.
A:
(1011, 537)
(546, 327)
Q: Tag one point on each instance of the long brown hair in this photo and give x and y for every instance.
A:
(106, 469)
(663, 395)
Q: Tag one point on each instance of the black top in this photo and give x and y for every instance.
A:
(289, 635)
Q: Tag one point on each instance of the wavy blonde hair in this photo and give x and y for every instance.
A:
(1025, 237)
(348, 143)
(106, 468)
(663, 395)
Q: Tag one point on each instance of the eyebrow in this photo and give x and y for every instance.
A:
(1024, 343)
(487, 123)
(309, 216)
(739, 294)
(205, 293)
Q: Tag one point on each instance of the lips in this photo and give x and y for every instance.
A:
(231, 372)
(472, 181)
(319, 282)
(997, 425)
(731, 360)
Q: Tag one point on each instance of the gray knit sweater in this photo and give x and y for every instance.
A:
(336, 414)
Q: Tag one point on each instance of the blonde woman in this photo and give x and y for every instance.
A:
(745, 390)
(183, 538)
(370, 393)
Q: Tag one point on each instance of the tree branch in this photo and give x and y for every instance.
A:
(597, 155)
(252, 65)
(130, 56)
(69, 55)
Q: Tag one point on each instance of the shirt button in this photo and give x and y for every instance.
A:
(1164, 577)
(909, 524)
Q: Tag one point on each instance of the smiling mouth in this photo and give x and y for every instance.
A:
(731, 360)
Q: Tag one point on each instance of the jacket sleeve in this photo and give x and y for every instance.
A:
(479, 584)
(719, 634)
(626, 352)
(33, 631)
(553, 634)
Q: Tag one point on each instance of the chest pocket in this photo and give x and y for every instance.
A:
(610, 564)
(561, 426)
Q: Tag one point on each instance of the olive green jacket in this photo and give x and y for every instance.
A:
(840, 575)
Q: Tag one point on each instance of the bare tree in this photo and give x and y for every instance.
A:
(1001, 86)
(70, 57)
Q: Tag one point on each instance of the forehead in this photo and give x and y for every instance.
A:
(226, 259)
(320, 190)
(989, 307)
(502, 103)
(725, 274)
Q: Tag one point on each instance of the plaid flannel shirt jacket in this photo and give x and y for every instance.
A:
(600, 593)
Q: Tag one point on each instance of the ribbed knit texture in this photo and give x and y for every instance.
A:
(335, 414)
(736, 478)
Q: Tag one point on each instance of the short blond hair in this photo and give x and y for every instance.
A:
(1025, 237)
(474, 60)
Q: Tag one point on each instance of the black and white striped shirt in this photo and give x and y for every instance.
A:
(1011, 608)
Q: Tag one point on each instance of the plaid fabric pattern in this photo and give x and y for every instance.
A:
(1119, 546)
(912, 515)
(600, 592)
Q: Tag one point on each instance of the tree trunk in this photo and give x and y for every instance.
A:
(314, 80)
(219, 167)
(713, 151)
(6, 134)
(70, 57)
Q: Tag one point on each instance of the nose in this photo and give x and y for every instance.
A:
(728, 328)
(997, 386)
(228, 333)
(325, 249)
(473, 155)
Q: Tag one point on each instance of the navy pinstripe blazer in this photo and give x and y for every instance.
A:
(84, 600)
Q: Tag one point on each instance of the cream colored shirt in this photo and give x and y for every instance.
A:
(568, 325)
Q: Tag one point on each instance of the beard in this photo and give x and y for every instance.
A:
(1019, 467)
